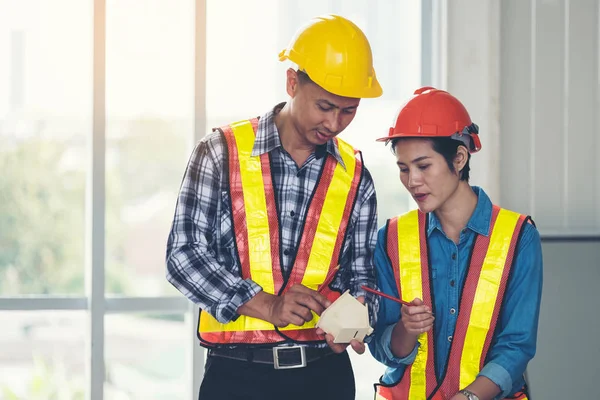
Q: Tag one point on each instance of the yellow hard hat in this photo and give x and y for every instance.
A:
(336, 55)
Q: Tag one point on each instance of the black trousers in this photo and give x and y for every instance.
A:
(328, 378)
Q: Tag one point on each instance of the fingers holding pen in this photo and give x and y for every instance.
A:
(418, 323)
(417, 317)
(296, 306)
(416, 307)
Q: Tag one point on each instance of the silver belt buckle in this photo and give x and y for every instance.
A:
(300, 348)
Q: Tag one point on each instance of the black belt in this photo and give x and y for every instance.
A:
(280, 357)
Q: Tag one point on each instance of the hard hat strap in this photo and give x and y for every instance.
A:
(465, 135)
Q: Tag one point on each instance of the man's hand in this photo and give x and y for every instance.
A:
(357, 346)
(295, 306)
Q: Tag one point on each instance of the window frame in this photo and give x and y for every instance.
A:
(95, 302)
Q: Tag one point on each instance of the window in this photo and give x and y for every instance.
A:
(149, 125)
(45, 122)
(42, 355)
(94, 152)
(145, 357)
(102, 106)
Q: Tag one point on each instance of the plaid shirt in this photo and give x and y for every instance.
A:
(201, 258)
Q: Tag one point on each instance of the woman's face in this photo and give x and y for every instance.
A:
(425, 173)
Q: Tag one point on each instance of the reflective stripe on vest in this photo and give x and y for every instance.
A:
(412, 272)
(484, 307)
(479, 309)
(256, 226)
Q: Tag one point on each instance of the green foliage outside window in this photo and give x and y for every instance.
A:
(42, 204)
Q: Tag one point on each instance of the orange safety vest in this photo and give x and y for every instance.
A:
(480, 304)
(256, 228)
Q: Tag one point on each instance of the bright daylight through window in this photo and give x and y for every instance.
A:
(47, 55)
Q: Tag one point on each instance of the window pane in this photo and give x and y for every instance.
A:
(45, 120)
(42, 355)
(149, 99)
(145, 357)
(254, 35)
(259, 30)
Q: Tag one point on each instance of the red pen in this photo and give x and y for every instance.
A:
(387, 296)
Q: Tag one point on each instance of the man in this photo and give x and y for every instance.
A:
(276, 217)
(470, 271)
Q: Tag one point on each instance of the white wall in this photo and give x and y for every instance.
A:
(528, 72)
(549, 102)
(472, 76)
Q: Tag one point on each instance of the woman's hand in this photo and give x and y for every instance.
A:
(417, 318)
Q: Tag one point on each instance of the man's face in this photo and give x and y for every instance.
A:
(317, 114)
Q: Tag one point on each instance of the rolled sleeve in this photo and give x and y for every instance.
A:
(238, 295)
(499, 376)
(392, 360)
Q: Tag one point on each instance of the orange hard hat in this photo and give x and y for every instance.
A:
(435, 113)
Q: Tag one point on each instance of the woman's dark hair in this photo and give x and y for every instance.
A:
(447, 147)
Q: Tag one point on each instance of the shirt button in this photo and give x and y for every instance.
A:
(452, 283)
(454, 256)
(449, 338)
(286, 252)
(464, 230)
(292, 213)
(452, 311)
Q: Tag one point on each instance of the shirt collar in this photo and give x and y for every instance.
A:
(267, 138)
(479, 221)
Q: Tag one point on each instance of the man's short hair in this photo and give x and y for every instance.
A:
(303, 77)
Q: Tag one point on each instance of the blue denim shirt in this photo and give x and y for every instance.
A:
(515, 338)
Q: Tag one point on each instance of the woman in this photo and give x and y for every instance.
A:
(470, 272)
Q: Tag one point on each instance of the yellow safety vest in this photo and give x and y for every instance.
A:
(256, 227)
(481, 300)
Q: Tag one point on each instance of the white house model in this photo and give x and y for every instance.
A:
(346, 319)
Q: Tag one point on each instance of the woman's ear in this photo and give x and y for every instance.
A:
(461, 158)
